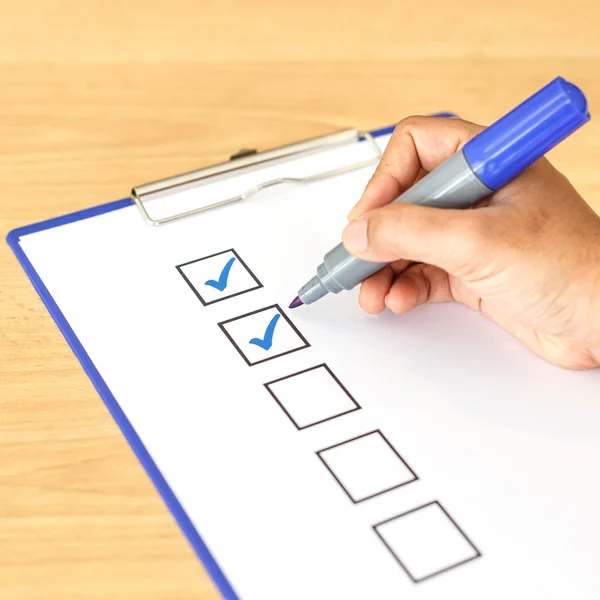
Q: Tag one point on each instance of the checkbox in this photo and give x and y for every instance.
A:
(426, 541)
(218, 277)
(367, 466)
(312, 396)
(263, 335)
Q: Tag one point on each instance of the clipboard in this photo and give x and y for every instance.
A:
(142, 195)
(142, 198)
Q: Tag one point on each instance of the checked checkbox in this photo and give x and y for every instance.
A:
(263, 334)
(218, 277)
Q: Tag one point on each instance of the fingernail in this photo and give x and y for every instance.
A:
(389, 303)
(392, 306)
(355, 236)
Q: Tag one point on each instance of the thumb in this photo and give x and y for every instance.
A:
(452, 239)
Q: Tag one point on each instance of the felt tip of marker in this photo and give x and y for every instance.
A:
(296, 302)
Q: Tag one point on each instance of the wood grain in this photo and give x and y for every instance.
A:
(98, 97)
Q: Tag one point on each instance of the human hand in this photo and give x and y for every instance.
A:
(528, 256)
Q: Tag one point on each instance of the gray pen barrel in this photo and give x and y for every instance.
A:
(452, 185)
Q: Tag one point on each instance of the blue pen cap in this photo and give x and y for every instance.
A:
(514, 142)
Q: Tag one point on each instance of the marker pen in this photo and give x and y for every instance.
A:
(486, 163)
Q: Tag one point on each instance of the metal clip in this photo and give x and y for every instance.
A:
(248, 158)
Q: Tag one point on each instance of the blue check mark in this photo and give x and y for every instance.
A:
(221, 284)
(267, 340)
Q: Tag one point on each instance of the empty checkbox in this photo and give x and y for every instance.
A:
(426, 541)
(312, 396)
(218, 277)
(367, 466)
(263, 335)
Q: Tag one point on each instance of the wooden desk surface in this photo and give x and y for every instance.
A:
(97, 97)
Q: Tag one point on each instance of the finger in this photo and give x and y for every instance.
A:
(374, 290)
(418, 144)
(447, 238)
(398, 266)
(419, 284)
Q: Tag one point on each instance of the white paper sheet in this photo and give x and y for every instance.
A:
(504, 448)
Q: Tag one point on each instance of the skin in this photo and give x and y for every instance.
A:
(528, 257)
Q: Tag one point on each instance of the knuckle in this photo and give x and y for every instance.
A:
(409, 120)
(423, 284)
(408, 123)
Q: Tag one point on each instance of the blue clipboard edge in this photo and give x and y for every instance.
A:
(136, 444)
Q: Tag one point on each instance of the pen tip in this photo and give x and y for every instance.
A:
(296, 302)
